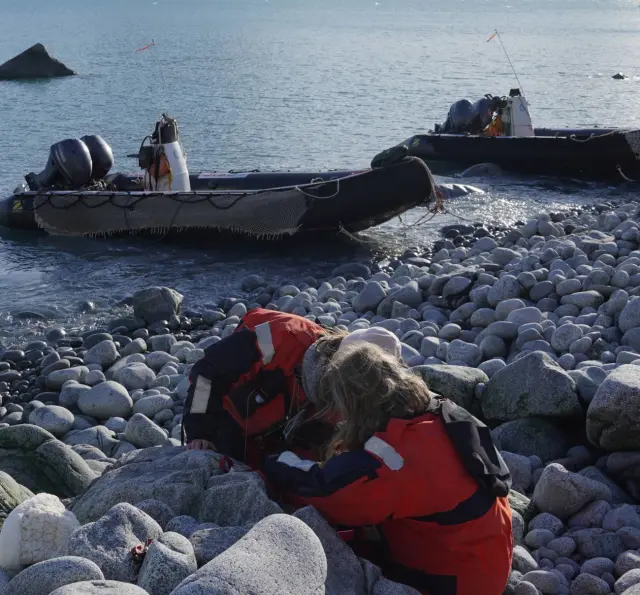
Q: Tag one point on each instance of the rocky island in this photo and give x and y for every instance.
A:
(34, 63)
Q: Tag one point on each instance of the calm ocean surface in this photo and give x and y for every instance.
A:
(291, 84)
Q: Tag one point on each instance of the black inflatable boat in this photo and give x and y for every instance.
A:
(76, 195)
(498, 130)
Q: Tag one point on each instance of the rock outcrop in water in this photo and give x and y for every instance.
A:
(34, 63)
(535, 328)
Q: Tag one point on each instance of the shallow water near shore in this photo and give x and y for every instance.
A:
(279, 85)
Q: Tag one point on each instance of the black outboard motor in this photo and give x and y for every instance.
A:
(101, 155)
(467, 118)
(69, 165)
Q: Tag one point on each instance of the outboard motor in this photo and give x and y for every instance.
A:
(69, 166)
(467, 118)
(164, 161)
(101, 155)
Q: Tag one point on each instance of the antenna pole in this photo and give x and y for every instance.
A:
(504, 49)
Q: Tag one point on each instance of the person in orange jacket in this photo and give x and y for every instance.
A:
(415, 478)
(256, 391)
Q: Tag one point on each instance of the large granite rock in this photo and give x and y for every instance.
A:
(99, 588)
(108, 541)
(457, 383)
(236, 499)
(34, 458)
(563, 493)
(613, 417)
(12, 494)
(533, 385)
(281, 554)
(44, 577)
(532, 436)
(210, 542)
(34, 62)
(171, 474)
(167, 563)
(346, 573)
(156, 303)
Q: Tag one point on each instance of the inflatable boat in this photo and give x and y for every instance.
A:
(499, 130)
(77, 195)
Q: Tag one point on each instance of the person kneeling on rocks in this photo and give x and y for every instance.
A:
(414, 481)
(256, 391)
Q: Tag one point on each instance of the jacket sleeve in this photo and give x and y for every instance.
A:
(346, 490)
(211, 378)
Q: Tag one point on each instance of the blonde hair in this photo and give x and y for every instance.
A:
(367, 387)
(327, 344)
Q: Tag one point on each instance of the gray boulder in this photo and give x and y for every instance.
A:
(34, 63)
(236, 499)
(520, 468)
(105, 400)
(564, 336)
(34, 458)
(156, 303)
(460, 352)
(563, 493)
(210, 542)
(98, 436)
(70, 394)
(169, 560)
(173, 475)
(153, 404)
(369, 298)
(108, 541)
(142, 432)
(627, 581)
(160, 512)
(104, 353)
(11, 495)
(505, 288)
(136, 376)
(281, 554)
(52, 418)
(346, 573)
(532, 436)
(630, 316)
(99, 588)
(44, 577)
(533, 385)
(613, 417)
(409, 295)
(457, 383)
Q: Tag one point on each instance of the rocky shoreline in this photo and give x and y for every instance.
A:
(535, 329)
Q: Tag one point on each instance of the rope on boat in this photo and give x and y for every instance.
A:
(624, 177)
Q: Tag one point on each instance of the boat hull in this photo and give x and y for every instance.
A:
(589, 153)
(348, 200)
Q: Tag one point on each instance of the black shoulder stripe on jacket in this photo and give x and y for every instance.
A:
(308, 479)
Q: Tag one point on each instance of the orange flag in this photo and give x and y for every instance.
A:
(146, 47)
(490, 38)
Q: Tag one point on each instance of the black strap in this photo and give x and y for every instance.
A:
(433, 584)
(474, 507)
(475, 447)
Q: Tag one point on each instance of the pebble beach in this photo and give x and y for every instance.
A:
(534, 328)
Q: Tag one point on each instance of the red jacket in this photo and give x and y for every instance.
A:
(444, 531)
(247, 385)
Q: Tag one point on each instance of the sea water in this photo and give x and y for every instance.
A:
(288, 84)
